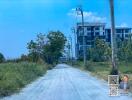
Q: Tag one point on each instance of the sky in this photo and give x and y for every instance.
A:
(22, 20)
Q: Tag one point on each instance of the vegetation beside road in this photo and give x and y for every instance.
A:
(99, 58)
(102, 69)
(14, 76)
(44, 53)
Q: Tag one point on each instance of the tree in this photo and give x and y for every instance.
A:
(56, 45)
(47, 47)
(125, 50)
(101, 51)
(33, 53)
(2, 58)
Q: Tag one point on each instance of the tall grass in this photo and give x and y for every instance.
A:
(14, 76)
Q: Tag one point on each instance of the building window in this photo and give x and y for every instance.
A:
(88, 29)
(96, 33)
(126, 30)
(96, 28)
(88, 43)
(126, 35)
(118, 31)
(88, 34)
(118, 35)
(103, 28)
(80, 32)
(81, 48)
(109, 31)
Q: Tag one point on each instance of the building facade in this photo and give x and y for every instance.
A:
(94, 30)
(122, 33)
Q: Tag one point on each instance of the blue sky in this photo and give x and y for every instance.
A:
(21, 20)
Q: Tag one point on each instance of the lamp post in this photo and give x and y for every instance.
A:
(113, 39)
(84, 42)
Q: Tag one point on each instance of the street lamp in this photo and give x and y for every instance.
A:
(84, 42)
(113, 39)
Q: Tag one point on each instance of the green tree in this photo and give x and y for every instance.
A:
(56, 45)
(2, 58)
(100, 51)
(125, 50)
(33, 52)
(47, 47)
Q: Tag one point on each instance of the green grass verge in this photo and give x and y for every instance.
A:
(14, 76)
(102, 69)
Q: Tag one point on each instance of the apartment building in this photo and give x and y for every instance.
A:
(93, 30)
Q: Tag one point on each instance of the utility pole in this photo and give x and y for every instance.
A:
(71, 49)
(74, 32)
(84, 42)
(113, 39)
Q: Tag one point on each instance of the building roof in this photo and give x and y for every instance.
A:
(91, 24)
(120, 28)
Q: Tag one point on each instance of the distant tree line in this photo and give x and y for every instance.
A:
(49, 48)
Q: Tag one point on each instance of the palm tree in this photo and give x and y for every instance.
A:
(113, 40)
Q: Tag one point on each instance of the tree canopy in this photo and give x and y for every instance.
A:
(47, 47)
(101, 51)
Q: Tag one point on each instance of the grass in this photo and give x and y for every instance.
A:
(102, 69)
(14, 76)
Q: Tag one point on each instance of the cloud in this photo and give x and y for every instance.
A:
(72, 13)
(88, 16)
(123, 25)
